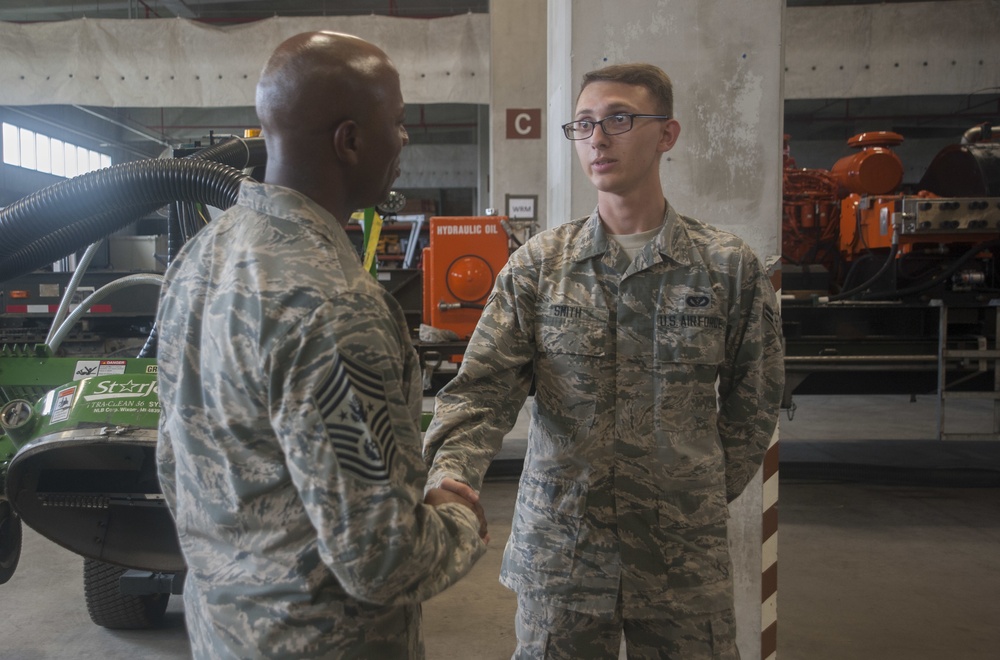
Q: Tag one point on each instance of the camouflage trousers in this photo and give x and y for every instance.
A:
(549, 632)
(363, 633)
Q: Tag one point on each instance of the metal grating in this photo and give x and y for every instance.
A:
(27, 392)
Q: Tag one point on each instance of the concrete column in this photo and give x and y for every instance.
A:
(563, 168)
(483, 164)
(725, 61)
(517, 104)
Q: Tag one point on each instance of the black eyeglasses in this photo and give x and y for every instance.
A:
(611, 125)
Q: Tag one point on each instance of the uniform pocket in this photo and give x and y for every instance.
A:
(690, 345)
(572, 351)
(547, 523)
(694, 508)
(686, 366)
(572, 330)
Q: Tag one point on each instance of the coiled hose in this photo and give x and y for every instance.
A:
(56, 221)
(236, 152)
(240, 153)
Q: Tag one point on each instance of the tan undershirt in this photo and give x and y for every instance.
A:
(633, 243)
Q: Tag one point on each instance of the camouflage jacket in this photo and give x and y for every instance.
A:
(632, 454)
(289, 448)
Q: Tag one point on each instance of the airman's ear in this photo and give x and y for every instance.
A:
(669, 134)
(346, 142)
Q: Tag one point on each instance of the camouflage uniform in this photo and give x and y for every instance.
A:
(289, 449)
(631, 454)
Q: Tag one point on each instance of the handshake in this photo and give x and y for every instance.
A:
(451, 491)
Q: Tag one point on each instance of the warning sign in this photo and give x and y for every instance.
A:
(88, 368)
(109, 367)
(64, 403)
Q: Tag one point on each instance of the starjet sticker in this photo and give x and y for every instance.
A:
(115, 390)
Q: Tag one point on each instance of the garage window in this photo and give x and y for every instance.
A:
(42, 153)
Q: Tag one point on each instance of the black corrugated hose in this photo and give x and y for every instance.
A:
(236, 152)
(56, 221)
(241, 153)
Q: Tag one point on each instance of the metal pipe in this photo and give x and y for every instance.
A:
(147, 136)
(831, 359)
(849, 368)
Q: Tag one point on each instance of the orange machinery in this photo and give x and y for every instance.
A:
(857, 209)
(810, 214)
(463, 258)
(820, 206)
(868, 177)
(874, 211)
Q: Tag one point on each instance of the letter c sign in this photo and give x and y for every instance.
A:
(524, 123)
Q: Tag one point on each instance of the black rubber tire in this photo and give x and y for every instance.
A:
(10, 542)
(109, 608)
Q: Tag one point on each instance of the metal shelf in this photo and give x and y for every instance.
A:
(985, 359)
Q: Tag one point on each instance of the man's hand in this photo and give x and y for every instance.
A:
(470, 494)
(459, 488)
(455, 492)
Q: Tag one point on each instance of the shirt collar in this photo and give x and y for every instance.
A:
(672, 242)
(281, 202)
(593, 240)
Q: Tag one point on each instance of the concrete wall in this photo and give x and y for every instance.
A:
(517, 82)
(895, 49)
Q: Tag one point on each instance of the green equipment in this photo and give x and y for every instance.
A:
(78, 465)
(78, 434)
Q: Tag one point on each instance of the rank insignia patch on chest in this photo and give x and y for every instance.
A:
(697, 301)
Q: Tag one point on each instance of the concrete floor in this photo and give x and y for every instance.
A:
(883, 569)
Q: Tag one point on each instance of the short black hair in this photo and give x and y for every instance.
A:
(644, 75)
